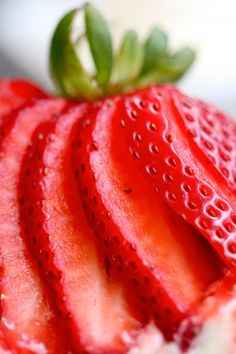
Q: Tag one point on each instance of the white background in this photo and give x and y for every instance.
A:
(208, 25)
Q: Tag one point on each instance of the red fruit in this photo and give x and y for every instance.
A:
(27, 320)
(15, 93)
(61, 241)
(212, 133)
(187, 182)
(164, 263)
(4, 347)
(92, 247)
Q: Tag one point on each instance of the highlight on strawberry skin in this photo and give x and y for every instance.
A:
(117, 203)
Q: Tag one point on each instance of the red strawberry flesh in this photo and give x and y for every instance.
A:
(27, 320)
(63, 242)
(141, 243)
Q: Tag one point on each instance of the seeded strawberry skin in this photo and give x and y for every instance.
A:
(176, 171)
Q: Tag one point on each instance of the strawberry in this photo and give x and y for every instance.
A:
(105, 172)
(27, 320)
(136, 231)
(213, 133)
(105, 205)
(62, 242)
(169, 158)
(14, 93)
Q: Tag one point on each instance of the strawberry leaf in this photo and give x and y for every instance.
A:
(155, 48)
(152, 77)
(168, 68)
(173, 67)
(129, 59)
(100, 43)
(66, 69)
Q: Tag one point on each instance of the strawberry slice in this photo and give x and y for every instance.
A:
(137, 232)
(213, 132)
(177, 167)
(14, 93)
(27, 320)
(63, 245)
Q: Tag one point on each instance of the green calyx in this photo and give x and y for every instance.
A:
(136, 63)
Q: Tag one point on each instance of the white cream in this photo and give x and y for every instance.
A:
(217, 336)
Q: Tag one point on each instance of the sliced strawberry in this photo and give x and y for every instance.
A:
(27, 320)
(158, 261)
(213, 132)
(14, 93)
(178, 170)
(62, 242)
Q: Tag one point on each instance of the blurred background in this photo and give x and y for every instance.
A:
(209, 26)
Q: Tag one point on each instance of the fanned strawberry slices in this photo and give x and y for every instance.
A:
(58, 235)
(143, 243)
(92, 248)
(117, 215)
